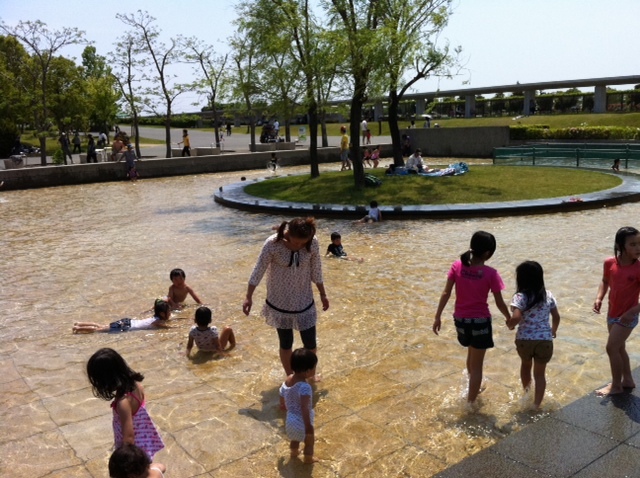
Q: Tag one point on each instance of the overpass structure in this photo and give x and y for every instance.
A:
(599, 84)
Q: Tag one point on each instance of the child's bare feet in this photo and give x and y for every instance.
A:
(609, 389)
(628, 384)
(310, 459)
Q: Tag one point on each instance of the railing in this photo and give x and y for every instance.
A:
(585, 155)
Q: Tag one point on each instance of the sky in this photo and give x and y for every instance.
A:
(503, 41)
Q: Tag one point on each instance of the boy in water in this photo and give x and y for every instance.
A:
(179, 289)
(335, 249)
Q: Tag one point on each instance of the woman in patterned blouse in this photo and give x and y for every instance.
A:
(291, 258)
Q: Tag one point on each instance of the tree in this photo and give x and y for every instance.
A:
(14, 92)
(102, 91)
(246, 84)
(128, 77)
(43, 44)
(212, 75)
(287, 39)
(408, 39)
(357, 23)
(161, 58)
(68, 98)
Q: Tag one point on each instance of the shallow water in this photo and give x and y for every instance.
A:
(390, 402)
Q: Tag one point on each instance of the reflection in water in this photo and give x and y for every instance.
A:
(104, 251)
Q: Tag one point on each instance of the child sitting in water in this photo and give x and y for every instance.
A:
(206, 336)
(374, 213)
(179, 289)
(335, 248)
(161, 313)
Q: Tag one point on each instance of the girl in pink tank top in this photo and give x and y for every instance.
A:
(112, 379)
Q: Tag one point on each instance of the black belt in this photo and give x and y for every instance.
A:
(290, 311)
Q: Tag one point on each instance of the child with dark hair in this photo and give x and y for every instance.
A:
(296, 396)
(621, 279)
(130, 461)
(179, 289)
(206, 336)
(530, 309)
(374, 214)
(161, 314)
(473, 281)
(112, 379)
(335, 249)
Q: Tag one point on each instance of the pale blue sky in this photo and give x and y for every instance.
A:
(503, 41)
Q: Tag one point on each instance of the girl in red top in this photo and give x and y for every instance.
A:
(621, 278)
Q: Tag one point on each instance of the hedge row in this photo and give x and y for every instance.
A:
(581, 132)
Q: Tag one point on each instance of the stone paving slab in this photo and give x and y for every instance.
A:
(591, 437)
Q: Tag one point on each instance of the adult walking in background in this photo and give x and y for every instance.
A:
(291, 258)
(77, 143)
(186, 149)
(64, 144)
(364, 127)
(92, 157)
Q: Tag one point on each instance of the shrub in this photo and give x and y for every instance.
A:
(581, 132)
(58, 157)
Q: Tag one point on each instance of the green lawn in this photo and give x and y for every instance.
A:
(483, 183)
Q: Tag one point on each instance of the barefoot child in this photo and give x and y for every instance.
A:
(112, 379)
(621, 278)
(374, 214)
(296, 394)
(206, 336)
(130, 461)
(473, 282)
(161, 313)
(335, 249)
(531, 306)
(179, 289)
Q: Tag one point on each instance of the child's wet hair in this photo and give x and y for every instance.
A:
(128, 461)
(300, 228)
(161, 306)
(621, 239)
(530, 282)
(203, 316)
(303, 360)
(373, 204)
(177, 273)
(335, 235)
(481, 243)
(110, 376)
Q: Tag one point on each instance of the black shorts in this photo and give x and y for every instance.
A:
(476, 333)
(122, 324)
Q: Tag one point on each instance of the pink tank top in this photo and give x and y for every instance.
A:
(146, 434)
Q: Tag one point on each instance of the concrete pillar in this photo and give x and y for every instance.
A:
(600, 99)
(378, 110)
(529, 96)
(469, 106)
(420, 103)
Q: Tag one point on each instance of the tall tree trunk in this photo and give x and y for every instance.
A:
(394, 129)
(313, 137)
(355, 117)
(167, 132)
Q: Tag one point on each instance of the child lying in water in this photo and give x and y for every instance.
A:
(161, 313)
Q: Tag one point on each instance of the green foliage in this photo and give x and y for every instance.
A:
(480, 184)
(58, 157)
(177, 121)
(542, 132)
